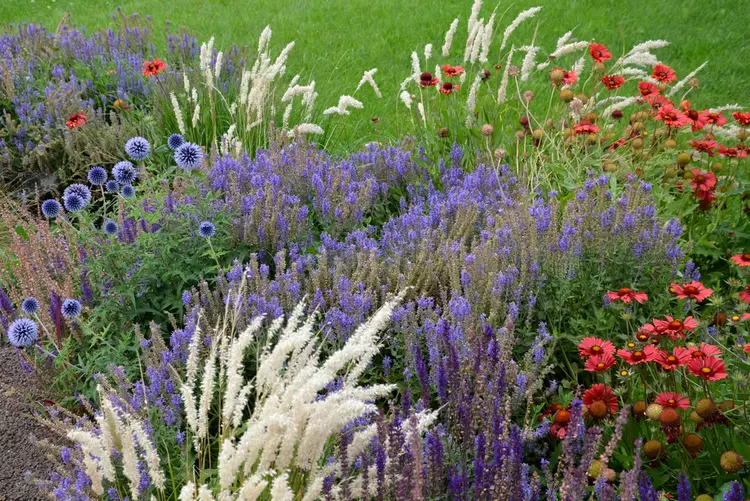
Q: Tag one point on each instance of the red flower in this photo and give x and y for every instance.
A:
(657, 101)
(599, 52)
(708, 368)
(448, 87)
(612, 82)
(736, 152)
(705, 196)
(669, 362)
(741, 259)
(452, 71)
(742, 117)
(627, 295)
(601, 393)
(717, 118)
(153, 68)
(671, 116)
(569, 77)
(591, 346)
(746, 348)
(674, 400)
(599, 363)
(705, 145)
(648, 89)
(664, 73)
(703, 181)
(426, 80)
(745, 294)
(704, 350)
(674, 328)
(76, 120)
(697, 118)
(693, 290)
(585, 127)
(647, 354)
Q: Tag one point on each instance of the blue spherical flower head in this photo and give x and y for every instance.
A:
(189, 156)
(97, 176)
(123, 172)
(30, 305)
(71, 308)
(175, 141)
(127, 191)
(137, 148)
(111, 228)
(81, 190)
(73, 203)
(22, 332)
(51, 208)
(206, 229)
(112, 186)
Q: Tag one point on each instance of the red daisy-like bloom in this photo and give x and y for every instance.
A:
(657, 101)
(705, 145)
(644, 333)
(627, 295)
(647, 354)
(569, 77)
(736, 152)
(745, 294)
(741, 259)
(703, 181)
(601, 393)
(693, 290)
(585, 127)
(697, 118)
(674, 400)
(452, 71)
(591, 346)
(426, 80)
(599, 363)
(670, 361)
(612, 82)
(448, 87)
(664, 73)
(671, 116)
(599, 52)
(717, 118)
(648, 89)
(153, 68)
(76, 120)
(708, 368)
(706, 196)
(704, 350)
(743, 117)
(674, 327)
(746, 348)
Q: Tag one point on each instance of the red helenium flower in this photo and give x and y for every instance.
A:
(670, 361)
(742, 117)
(664, 73)
(426, 80)
(646, 354)
(612, 82)
(601, 393)
(153, 68)
(599, 363)
(627, 295)
(590, 346)
(693, 290)
(741, 259)
(745, 294)
(708, 368)
(569, 77)
(717, 118)
(736, 152)
(705, 145)
(704, 350)
(671, 116)
(703, 181)
(674, 400)
(673, 327)
(76, 120)
(599, 52)
(697, 118)
(448, 87)
(648, 88)
(585, 127)
(452, 71)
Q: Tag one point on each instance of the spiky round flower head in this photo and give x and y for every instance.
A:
(127, 191)
(653, 449)
(653, 411)
(669, 418)
(175, 141)
(111, 228)
(51, 208)
(81, 190)
(137, 148)
(71, 308)
(487, 130)
(188, 156)
(731, 462)
(30, 305)
(73, 203)
(123, 172)
(206, 229)
(97, 176)
(705, 408)
(112, 186)
(22, 332)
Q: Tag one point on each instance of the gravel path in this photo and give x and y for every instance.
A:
(18, 389)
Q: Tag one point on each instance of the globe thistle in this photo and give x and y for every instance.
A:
(188, 156)
(111, 228)
(51, 208)
(123, 172)
(71, 308)
(22, 332)
(73, 203)
(127, 191)
(112, 186)
(30, 305)
(206, 229)
(175, 141)
(81, 190)
(137, 148)
(97, 176)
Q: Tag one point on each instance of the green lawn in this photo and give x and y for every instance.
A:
(338, 39)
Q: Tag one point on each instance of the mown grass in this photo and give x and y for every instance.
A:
(338, 39)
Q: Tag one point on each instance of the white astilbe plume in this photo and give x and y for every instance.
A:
(344, 103)
(280, 490)
(487, 33)
(306, 128)
(528, 61)
(648, 46)
(415, 69)
(523, 16)
(679, 85)
(207, 395)
(235, 367)
(579, 65)
(726, 107)
(186, 82)
(474, 41)
(264, 40)
(475, 8)
(191, 373)
(728, 132)
(471, 101)
(449, 38)
(624, 103)
(427, 51)
(503, 90)
(420, 107)
(634, 72)
(205, 55)
(640, 59)
(196, 115)
(568, 49)
(405, 98)
(92, 448)
(177, 113)
(286, 116)
(367, 77)
(217, 65)
(563, 40)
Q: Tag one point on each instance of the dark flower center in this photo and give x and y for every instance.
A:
(698, 354)
(675, 325)
(746, 257)
(637, 355)
(690, 290)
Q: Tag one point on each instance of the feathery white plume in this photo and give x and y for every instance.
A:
(427, 51)
(487, 39)
(406, 98)
(367, 77)
(679, 85)
(449, 38)
(528, 61)
(523, 16)
(503, 90)
(415, 70)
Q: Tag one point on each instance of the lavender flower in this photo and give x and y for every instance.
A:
(30, 305)
(71, 308)
(97, 176)
(188, 156)
(22, 332)
(124, 172)
(51, 208)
